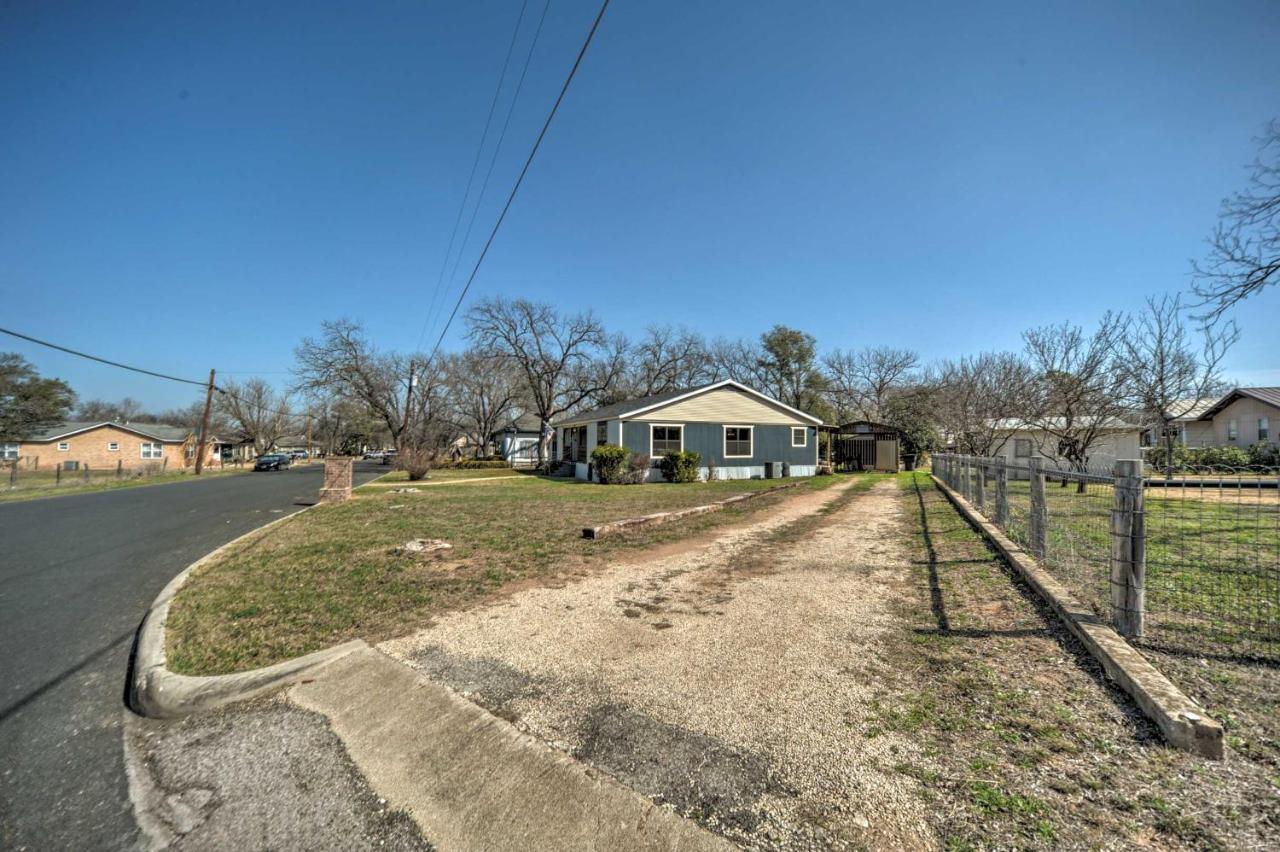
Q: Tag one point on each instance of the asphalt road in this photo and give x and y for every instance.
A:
(76, 575)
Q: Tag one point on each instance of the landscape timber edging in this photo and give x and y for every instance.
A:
(664, 517)
(1182, 721)
(158, 693)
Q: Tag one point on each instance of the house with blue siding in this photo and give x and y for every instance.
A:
(735, 428)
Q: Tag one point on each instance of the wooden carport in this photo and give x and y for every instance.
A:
(862, 445)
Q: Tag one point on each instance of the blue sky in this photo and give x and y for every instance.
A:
(192, 185)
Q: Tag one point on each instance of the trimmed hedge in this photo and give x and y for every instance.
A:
(474, 464)
(681, 466)
(610, 462)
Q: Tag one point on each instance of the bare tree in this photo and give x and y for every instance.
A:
(257, 411)
(483, 389)
(342, 363)
(1077, 396)
(125, 411)
(1244, 251)
(860, 383)
(977, 396)
(565, 359)
(667, 359)
(738, 360)
(1168, 374)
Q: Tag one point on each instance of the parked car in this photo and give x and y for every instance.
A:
(274, 461)
(373, 454)
(299, 454)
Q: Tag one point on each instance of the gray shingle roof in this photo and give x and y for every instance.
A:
(609, 412)
(159, 431)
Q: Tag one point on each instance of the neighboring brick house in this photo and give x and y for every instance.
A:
(105, 445)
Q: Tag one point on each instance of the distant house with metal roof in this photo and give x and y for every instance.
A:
(1244, 417)
(739, 431)
(105, 444)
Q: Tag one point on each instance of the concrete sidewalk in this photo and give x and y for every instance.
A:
(470, 779)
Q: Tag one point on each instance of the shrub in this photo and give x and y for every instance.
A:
(416, 462)
(610, 462)
(637, 470)
(475, 464)
(1264, 454)
(1221, 457)
(681, 466)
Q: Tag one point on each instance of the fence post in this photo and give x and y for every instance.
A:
(57, 474)
(1039, 513)
(981, 485)
(966, 487)
(1002, 494)
(119, 468)
(13, 474)
(85, 475)
(1128, 550)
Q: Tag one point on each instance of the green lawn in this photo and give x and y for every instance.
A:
(334, 573)
(1213, 566)
(33, 485)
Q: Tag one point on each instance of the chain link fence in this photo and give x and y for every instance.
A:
(1190, 563)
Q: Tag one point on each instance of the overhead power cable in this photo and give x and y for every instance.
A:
(520, 179)
(497, 149)
(145, 372)
(462, 205)
(106, 361)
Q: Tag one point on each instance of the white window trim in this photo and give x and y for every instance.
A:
(653, 426)
(158, 453)
(64, 446)
(7, 447)
(804, 436)
(113, 446)
(1233, 430)
(724, 440)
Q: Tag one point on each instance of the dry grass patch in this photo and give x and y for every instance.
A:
(337, 573)
(1026, 744)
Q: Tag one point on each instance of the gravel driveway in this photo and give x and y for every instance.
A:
(720, 681)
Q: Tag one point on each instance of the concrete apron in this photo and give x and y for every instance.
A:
(471, 780)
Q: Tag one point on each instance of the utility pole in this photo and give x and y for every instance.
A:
(408, 400)
(204, 425)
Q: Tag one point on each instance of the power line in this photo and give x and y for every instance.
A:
(106, 361)
(484, 185)
(520, 179)
(462, 205)
(117, 364)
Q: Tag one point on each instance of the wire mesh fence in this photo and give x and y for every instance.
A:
(15, 478)
(1188, 563)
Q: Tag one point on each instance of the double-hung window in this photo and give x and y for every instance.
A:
(1022, 448)
(665, 439)
(1264, 429)
(602, 432)
(8, 451)
(152, 450)
(1233, 430)
(737, 442)
(799, 436)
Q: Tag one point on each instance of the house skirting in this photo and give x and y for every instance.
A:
(580, 470)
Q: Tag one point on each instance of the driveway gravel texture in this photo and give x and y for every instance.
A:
(723, 682)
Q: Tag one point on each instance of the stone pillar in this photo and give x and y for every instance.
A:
(337, 480)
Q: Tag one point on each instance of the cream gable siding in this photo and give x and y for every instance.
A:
(725, 405)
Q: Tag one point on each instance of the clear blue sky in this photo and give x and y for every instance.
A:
(188, 185)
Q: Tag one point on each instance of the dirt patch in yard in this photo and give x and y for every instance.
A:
(725, 681)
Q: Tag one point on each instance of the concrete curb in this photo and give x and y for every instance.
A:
(158, 693)
(663, 517)
(1182, 721)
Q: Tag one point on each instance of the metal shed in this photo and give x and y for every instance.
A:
(863, 445)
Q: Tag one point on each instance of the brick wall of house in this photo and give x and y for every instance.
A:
(92, 448)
